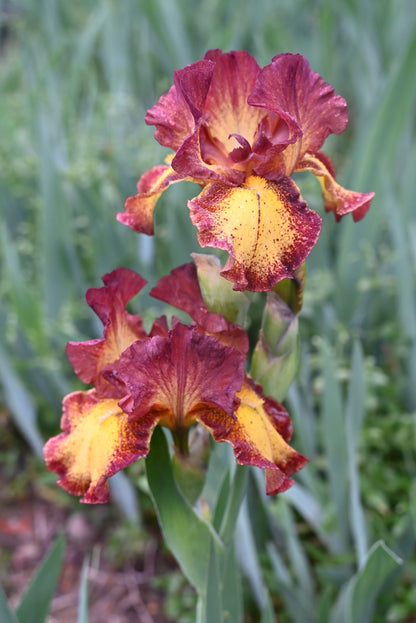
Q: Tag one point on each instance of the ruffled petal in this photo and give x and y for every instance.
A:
(178, 376)
(139, 208)
(337, 199)
(193, 82)
(121, 329)
(181, 289)
(98, 441)
(259, 436)
(177, 111)
(172, 118)
(265, 227)
(288, 88)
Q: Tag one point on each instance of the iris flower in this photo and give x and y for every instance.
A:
(241, 132)
(192, 373)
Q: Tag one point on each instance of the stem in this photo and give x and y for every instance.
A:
(180, 439)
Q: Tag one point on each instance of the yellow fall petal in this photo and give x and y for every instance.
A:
(98, 441)
(256, 435)
(265, 226)
(258, 430)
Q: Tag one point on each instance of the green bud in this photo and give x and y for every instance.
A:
(218, 292)
(291, 290)
(276, 355)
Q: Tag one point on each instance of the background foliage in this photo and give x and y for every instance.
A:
(76, 79)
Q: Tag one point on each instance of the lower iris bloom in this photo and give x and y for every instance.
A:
(241, 131)
(178, 377)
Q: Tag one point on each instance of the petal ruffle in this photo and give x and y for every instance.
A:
(172, 118)
(290, 89)
(181, 289)
(177, 111)
(337, 199)
(121, 329)
(259, 436)
(98, 441)
(139, 208)
(193, 81)
(178, 376)
(265, 227)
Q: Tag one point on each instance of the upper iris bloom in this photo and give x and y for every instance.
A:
(174, 377)
(240, 132)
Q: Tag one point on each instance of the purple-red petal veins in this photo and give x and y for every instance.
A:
(226, 111)
(265, 227)
(181, 289)
(337, 199)
(256, 436)
(139, 208)
(176, 377)
(291, 90)
(98, 441)
(121, 329)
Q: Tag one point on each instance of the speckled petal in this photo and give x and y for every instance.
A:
(265, 227)
(98, 441)
(257, 436)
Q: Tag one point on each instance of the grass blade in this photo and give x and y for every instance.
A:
(34, 605)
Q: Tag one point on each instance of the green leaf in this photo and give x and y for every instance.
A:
(354, 415)
(213, 602)
(34, 605)
(21, 405)
(231, 586)
(6, 615)
(357, 600)
(335, 445)
(235, 499)
(296, 602)
(248, 556)
(83, 594)
(295, 552)
(186, 534)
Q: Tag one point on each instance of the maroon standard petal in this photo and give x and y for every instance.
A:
(176, 112)
(193, 81)
(289, 88)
